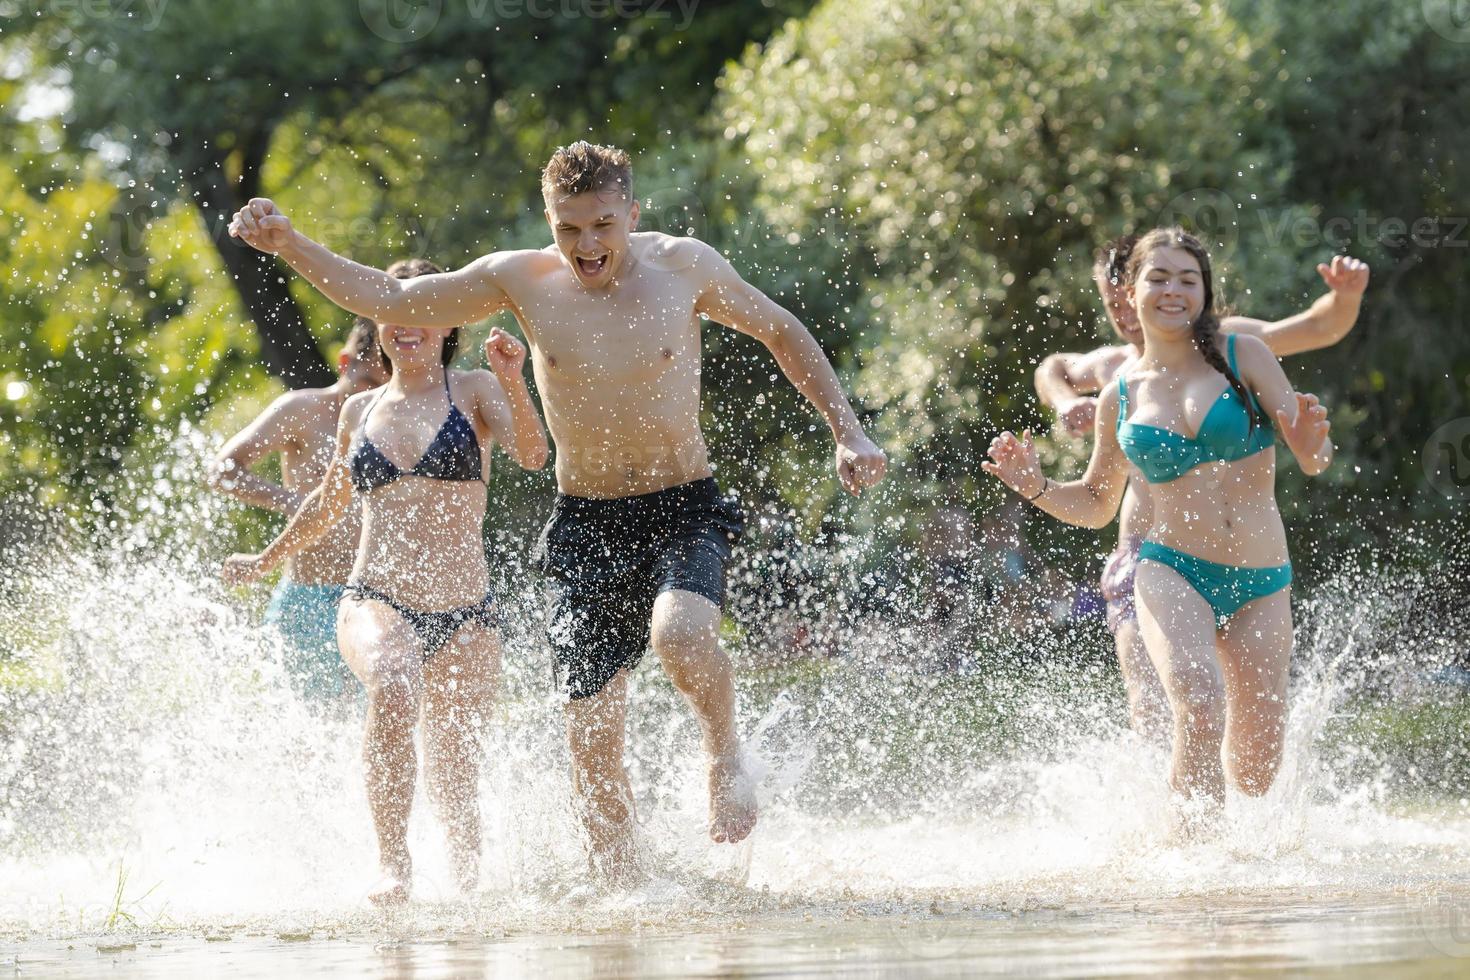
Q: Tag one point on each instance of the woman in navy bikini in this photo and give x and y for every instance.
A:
(1213, 582)
(418, 623)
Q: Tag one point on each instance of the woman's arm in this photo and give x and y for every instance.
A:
(1301, 419)
(1091, 501)
(322, 508)
(506, 406)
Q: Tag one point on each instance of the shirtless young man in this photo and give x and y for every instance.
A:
(638, 538)
(1068, 384)
(301, 426)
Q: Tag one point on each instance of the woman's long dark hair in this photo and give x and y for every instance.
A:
(1207, 324)
(408, 269)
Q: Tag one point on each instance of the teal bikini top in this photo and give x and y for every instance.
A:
(1224, 436)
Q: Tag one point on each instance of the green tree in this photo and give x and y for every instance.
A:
(969, 157)
(186, 101)
(130, 137)
(1378, 114)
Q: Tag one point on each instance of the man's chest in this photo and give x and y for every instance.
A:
(626, 339)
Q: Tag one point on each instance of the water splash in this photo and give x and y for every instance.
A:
(160, 776)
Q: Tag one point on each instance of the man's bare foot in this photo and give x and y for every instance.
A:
(392, 888)
(1194, 820)
(732, 804)
(613, 856)
(465, 864)
(389, 892)
(617, 873)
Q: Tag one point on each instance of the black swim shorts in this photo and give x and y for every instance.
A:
(608, 560)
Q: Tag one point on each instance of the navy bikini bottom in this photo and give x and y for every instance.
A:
(433, 628)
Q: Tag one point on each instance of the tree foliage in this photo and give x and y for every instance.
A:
(968, 158)
(922, 182)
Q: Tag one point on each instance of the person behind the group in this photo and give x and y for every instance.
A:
(1193, 417)
(418, 623)
(1067, 383)
(639, 535)
(301, 427)
(949, 553)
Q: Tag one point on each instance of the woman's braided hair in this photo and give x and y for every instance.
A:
(1207, 324)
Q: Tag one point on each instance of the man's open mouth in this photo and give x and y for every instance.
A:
(591, 268)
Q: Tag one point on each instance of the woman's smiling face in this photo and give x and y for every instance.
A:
(1169, 293)
(411, 346)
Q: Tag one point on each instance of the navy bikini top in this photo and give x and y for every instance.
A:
(453, 455)
(1225, 435)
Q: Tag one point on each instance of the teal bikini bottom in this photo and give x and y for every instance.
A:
(1225, 587)
(305, 614)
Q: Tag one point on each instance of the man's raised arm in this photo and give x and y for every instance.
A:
(729, 299)
(448, 299)
(1322, 324)
(1067, 384)
(276, 430)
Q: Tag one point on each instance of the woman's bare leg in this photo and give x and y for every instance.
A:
(1255, 657)
(384, 653)
(460, 683)
(1148, 706)
(1178, 629)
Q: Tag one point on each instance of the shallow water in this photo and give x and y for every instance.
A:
(171, 806)
(1425, 936)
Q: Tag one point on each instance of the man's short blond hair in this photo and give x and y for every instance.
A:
(583, 167)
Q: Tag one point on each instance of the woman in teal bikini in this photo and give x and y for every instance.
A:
(1213, 583)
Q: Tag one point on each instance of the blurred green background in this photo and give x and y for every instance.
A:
(923, 182)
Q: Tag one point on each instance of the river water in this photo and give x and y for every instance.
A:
(171, 807)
